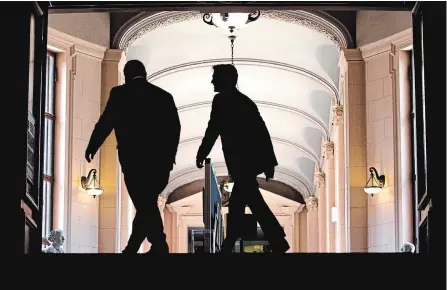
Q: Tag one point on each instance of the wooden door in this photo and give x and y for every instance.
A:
(429, 124)
(29, 190)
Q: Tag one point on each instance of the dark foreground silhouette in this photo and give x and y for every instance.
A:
(248, 152)
(147, 129)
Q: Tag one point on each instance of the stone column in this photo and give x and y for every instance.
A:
(83, 97)
(292, 212)
(330, 195)
(320, 183)
(173, 246)
(351, 61)
(312, 225)
(178, 235)
(126, 209)
(182, 234)
(161, 206)
(296, 232)
(339, 164)
(109, 165)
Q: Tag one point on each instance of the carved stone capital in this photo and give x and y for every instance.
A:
(334, 100)
(289, 210)
(113, 55)
(161, 203)
(337, 115)
(312, 203)
(320, 179)
(328, 152)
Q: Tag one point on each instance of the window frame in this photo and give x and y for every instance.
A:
(49, 145)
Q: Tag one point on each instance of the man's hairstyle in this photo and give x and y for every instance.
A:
(226, 72)
(134, 68)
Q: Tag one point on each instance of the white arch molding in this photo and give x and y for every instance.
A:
(320, 21)
(187, 175)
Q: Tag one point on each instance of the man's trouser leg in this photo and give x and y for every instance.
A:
(265, 217)
(236, 211)
(147, 222)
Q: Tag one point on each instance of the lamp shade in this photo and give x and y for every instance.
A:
(94, 191)
(230, 22)
(91, 184)
(372, 189)
(375, 182)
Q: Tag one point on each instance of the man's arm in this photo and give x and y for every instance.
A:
(211, 133)
(265, 139)
(176, 127)
(103, 128)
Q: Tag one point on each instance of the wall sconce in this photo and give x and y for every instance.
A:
(91, 184)
(375, 182)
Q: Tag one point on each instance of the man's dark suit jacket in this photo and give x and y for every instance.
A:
(146, 124)
(246, 142)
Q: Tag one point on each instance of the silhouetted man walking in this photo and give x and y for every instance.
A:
(248, 152)
(147, 129)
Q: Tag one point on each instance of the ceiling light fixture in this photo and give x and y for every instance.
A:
(230, 22)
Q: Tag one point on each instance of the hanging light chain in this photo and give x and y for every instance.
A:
(232, 52)
(232, 38)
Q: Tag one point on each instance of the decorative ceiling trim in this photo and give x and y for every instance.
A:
(145, 22)
(309, 153)
(281, 107)
(319, 21)
(246, 61)
(192, 173)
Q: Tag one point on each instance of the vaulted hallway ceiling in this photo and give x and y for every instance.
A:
(287, 63)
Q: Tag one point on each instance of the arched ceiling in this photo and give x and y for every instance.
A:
(289, 68)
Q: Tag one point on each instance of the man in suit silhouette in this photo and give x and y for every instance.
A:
(147, 129)
(248, 152)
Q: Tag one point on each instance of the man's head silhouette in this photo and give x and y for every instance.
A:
(224, 77)
(134, 69)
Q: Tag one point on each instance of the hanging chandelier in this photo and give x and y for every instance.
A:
(230, 22)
